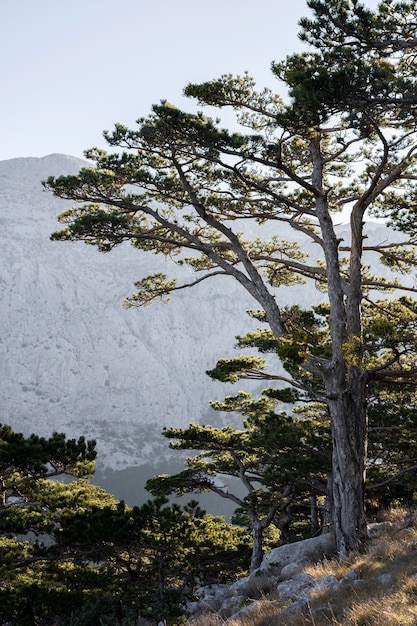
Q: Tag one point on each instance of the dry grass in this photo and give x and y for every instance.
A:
(263, 613)
(210, 619)
(388, 592)
(386, 595)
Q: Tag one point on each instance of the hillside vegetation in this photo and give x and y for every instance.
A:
(382, 593)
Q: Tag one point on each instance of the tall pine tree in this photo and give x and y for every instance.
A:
(182, 186)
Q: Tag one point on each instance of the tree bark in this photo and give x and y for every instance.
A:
(344, 380)
(349, 440)
(314, 514)
(257, 551)
(328, 506)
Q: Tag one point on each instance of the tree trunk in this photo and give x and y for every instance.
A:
(328, 506)
(349, 439)
(283, 523)
(314, 514)
(257, 552)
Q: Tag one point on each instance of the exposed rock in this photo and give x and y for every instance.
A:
(70, 350)
(351, 577)
(246, 611)
(296, 609)
(302, 586)
(230, 605)
(295, 587)
(288, 585)
(377, 528)
(280, 568)
(240, 585)
(311, 550)
(325, 583)
(210, 598)
(385, 580)
(238, 604)
(291, 569)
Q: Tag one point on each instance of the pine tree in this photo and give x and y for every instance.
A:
(182, 186)
(70, 552)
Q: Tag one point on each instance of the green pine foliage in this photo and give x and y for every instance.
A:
(70, 553)
(283, 460)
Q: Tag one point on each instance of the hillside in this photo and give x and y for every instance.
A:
(74, 360)
(374, 586)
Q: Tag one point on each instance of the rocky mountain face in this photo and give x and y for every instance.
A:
(74, 360)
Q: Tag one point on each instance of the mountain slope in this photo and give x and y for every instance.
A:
(72, 358)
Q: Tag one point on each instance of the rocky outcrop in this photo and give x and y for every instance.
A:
(280, 571)
(280, 575)
(281, 591)
(72, 359)
(309, 550)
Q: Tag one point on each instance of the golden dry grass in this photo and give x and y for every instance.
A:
(386, 595)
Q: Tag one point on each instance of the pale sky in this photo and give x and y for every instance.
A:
(71, 68)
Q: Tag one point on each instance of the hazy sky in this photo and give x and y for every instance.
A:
(71, 68)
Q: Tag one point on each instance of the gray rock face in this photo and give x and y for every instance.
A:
(290, 570)
(323, 584)
(244, 614)
(295, 587)
(302, 586)
(302, 551)
(297, 609)
(73, 359)
(351, 577)
(274, 573)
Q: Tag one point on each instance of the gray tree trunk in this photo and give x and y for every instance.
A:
(328, 506)
(349, 440)
(257, 551)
